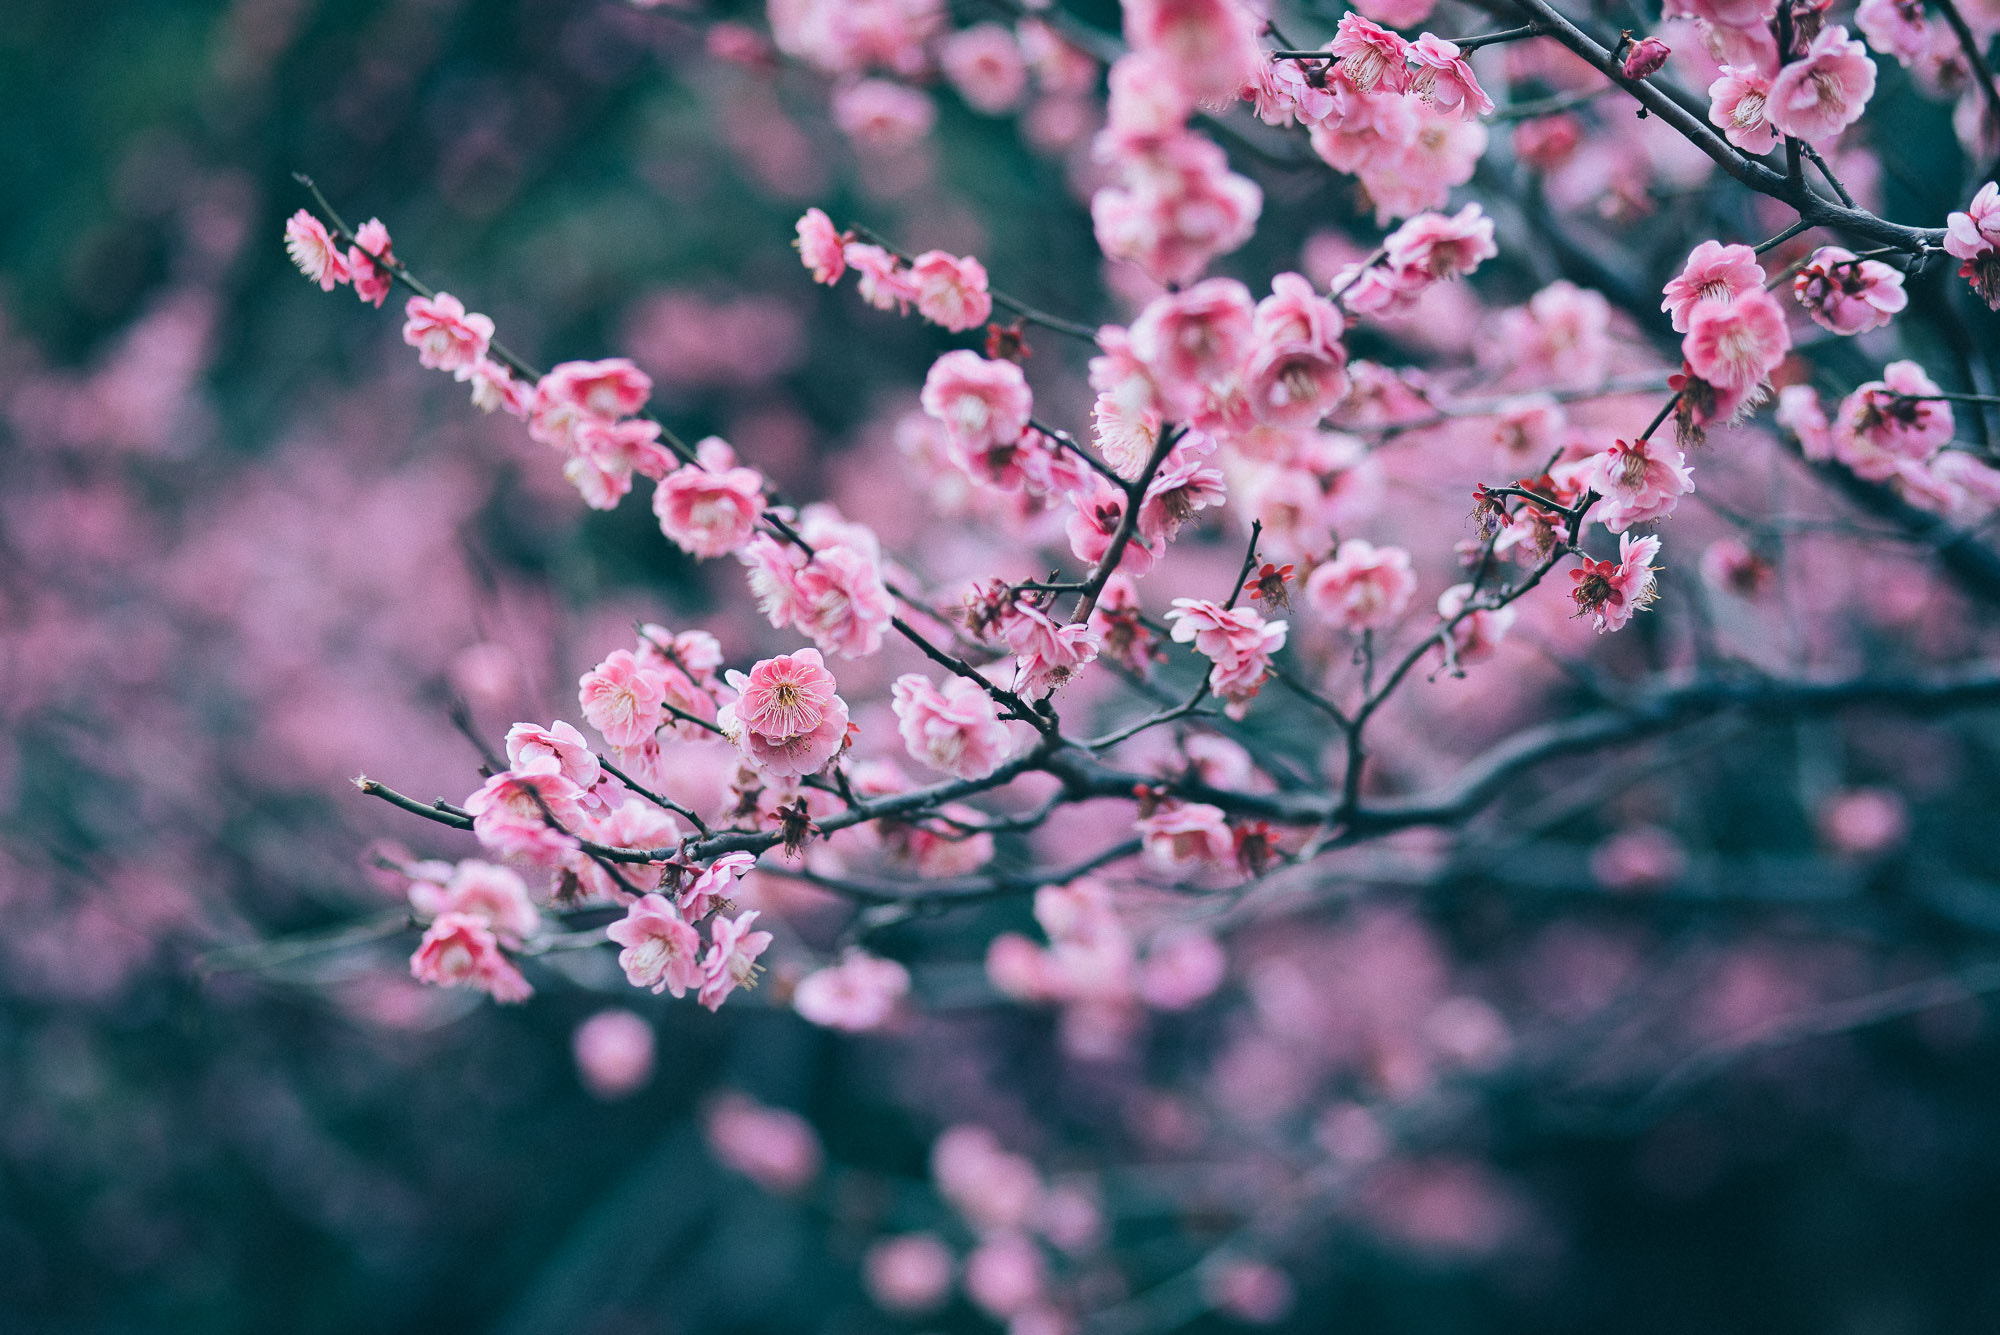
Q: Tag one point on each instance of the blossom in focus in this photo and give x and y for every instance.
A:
(1713, 273)
(1372, 59)
(1646, 57)
(950, 291)
(1046, 654)
(784, 696)
(1973, 238)
(445, 336)
(1823, 92)
(1847, 295)
(1432, 247)
(821, 248)
(621, 698)
(981, 402)
(1610, 592)
(709, 511)
(1735, 345)
(661, 951)
(1239, 642)
(372, 282)
(314, 250)
(1739, 105)
(1640, 481)
(731, 961)
(1443, 80)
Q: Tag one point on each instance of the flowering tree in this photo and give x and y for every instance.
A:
(1359, 572)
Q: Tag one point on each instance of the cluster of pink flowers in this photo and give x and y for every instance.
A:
(1400, 115)
(1735, 331)
(1845, 294)
(477, 912)
(1427, 249)
(1175, 205)
(947, 290)
(1239, 642)
(368, 263)
(662, 948)
(1811, 94)
(830, 590)
(786, 719)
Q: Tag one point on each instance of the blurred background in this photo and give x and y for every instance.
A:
(249, 550)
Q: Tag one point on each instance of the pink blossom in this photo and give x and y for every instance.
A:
(556, 749)
(1250, 1291)
(909, 1274)
(511, 814)
(1046, 654)
(613, 387)
(1418, 170)
(839, 600)
(1185, 485)
(1364, 587)
(882, 116)
(1737, 344)
(1183, 967)
(614, 1053)
(494, 895)
(1296, 313)
(954, 728)
(1714, 272)
(1239, 642)
(709, 512)
(1647, 57)
(980, 401)
(621, 699)
(791, 757)
(773, 1147)
(858, 994)
(1973, 237)
(986, 66)
(1864, 822)
(785, 696)
(661, 951)
(372, 281)
(445, 337)
(1207, 47)
(315, 251)
(1191, 340)
(1372, 59)
(951, 292)
(633, 824)
(1739, 106)
(1846, 295)
(1186, 834)
(731, 961)
(1177, 207)
(1444, 81)
(1823, 92)
(459, 950)
(709, 889)
(1800, 413)
(1611, 592)
(1640, 481)
(1431, 247)
(1895, 28)
(1731, 566)
(1877, 420)
(1283, 92)
(821, 248)
(1005, 1275)
(1475, 635)
(882, 280)
(494, 386)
